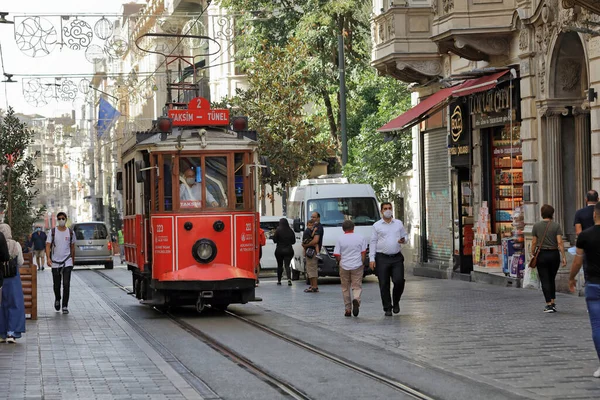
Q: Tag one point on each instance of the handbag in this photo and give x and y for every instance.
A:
(536, 252)
(10, 268)
(310, 252)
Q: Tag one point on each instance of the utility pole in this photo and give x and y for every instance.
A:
(342, 68)
(93, 159)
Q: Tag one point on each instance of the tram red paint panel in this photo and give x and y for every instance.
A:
(163, 245)
(246, 242)
(133, 235)
(203, 228)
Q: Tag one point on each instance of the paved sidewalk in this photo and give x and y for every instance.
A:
(91, 353)
(491, 334)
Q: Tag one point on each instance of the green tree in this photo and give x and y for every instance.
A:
(376, 158)
(18, 174)
(316, 23)
(275, 103)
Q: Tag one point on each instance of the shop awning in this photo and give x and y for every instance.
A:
(479, 85)
(418, 112)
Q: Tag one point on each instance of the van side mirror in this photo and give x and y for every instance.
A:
(298, 225)
(119, 180)
(140, 173)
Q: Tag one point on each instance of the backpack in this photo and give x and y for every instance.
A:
(54, 236)
(261, 237)
(10, 268)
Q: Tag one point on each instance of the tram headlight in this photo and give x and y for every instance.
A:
(204, 251)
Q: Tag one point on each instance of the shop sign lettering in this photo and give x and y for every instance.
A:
(492, 101)
(458, 150)
(456, 124)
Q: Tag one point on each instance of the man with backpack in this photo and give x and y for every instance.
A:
(60, 253)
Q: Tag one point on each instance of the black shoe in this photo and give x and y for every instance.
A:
(65, 310)
(388, 313)
(289, 282)
(355, 307)
(549, 309)
(57, 305)
(396, 308)
(279, 283)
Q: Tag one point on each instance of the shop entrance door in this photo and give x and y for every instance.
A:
(462, 220)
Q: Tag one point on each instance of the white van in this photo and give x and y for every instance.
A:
(269, 225)
(335, 200)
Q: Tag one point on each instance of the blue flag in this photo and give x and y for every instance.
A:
(107, 115)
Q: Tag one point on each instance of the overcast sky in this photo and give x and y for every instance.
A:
(65, 61)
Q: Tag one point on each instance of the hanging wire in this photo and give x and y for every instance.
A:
(4, 73)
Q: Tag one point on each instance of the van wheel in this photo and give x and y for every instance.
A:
(295, 275)
(109, 265)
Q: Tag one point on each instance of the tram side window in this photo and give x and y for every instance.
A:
(168, 183)
(239, 181)
(216, 180)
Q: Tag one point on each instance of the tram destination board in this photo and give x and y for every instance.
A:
(199, 113)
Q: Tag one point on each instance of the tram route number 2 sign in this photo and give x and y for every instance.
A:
(199, 113)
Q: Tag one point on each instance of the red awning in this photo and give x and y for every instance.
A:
(432, 104)
(479, 85)
(418, 112)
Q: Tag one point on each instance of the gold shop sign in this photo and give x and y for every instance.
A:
(458, 150)
(456, 124)
(493, 101)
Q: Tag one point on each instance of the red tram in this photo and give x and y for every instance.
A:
(190, 211)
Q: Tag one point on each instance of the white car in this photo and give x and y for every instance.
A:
(269, 225)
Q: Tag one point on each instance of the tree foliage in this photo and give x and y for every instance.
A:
(275, 103)
(18, 175)
(317, 24)
(376, 158)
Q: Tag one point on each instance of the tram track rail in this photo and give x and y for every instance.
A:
(283, 386)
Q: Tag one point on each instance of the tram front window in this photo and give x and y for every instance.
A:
(192, 179)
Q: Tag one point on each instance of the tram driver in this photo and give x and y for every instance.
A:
(190, 192)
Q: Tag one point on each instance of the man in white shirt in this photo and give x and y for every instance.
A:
(60, 253)
(385, 254)
(190, 192)
(350, 251)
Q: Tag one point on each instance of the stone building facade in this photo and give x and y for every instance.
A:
(545, 52)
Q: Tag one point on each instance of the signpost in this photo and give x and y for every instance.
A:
(199, 113)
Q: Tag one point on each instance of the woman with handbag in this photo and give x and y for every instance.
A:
(546, 244)
(12, 309)
(285, 238)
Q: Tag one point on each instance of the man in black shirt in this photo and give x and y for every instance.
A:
(588, 245)
(584, 218)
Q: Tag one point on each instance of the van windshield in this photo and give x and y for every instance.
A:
(90, 232)
(362, 211)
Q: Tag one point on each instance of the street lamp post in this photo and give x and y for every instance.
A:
(342, 68)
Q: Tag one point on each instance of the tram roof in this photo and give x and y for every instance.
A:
(193, 138)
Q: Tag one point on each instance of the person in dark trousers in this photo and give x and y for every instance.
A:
(60, 252)
(262, 241)
(285, 238)
(386, 259)
(39, 247)
(584, 217)
(549, 257)
(588, 245)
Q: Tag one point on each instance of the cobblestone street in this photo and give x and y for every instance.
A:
(488, 333)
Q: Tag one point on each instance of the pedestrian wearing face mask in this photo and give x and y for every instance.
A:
(38, 239)
(386, 258)
(60, 252)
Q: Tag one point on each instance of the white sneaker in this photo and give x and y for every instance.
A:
(10, 339)
(597, 373)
